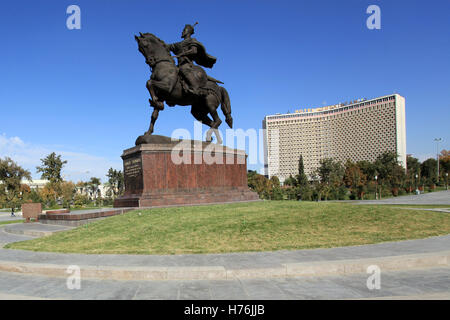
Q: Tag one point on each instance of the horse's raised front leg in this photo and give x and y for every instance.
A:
(154, 100)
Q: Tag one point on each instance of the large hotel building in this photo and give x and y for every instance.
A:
(360, 130)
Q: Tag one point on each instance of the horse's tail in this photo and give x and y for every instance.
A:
(225, 105)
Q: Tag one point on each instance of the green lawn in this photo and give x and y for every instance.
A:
(10, 222)
(256, 226)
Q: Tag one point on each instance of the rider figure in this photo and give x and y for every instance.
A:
(188, 51)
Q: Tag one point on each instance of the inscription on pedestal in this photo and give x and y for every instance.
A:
(133, 168)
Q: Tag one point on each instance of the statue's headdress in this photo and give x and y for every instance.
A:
(191, 27)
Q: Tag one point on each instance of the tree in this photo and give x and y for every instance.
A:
(390, 172)
(368, 169)
(428, 169)
(413, 169)
(330, 174)
(355, 179)
(115, 182)
(11, 176)
(259, 183)
(51, 168)
(275, 189)
(290, 181)
(68, 191)
(93, 186)
(444, 163)
(302, 179)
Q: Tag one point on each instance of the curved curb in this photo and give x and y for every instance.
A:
(311, 269)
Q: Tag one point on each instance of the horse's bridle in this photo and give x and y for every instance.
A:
(152, 63)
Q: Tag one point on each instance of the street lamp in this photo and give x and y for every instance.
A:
(446, 179)
(417, 191)
(376, 187)
(437, 154)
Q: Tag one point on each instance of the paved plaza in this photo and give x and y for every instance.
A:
(412, 269)
(436, 198)
(417, 284)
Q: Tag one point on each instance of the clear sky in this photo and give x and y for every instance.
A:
(81, 93)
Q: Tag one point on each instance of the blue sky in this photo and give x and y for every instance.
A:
(82, 93)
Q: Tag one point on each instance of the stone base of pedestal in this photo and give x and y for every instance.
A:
(165, 173)
(186, 198)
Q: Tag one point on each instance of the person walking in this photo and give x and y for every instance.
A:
(12, 212)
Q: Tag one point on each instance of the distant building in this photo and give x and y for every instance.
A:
(359, 130)
(35, 184)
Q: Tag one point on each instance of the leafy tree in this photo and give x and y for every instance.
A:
(11, 175)
(302, 179)
(330, 174)
(428, 169)
(368, 168)
(413, 169)
(68, 191)
(80, 200)
(290, 181)
(412, 165)
(93, 187)
(49, 194)
(260, 184)
(275, 188)
(115, 182)
(390, 173)
(51, 168)
(355, 179)
(444, 163)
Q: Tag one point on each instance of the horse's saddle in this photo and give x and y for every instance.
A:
(193, 73)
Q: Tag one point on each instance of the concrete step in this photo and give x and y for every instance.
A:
(288, 270)
(34, 229)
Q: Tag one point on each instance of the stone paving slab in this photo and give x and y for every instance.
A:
(339, 267)
(6, 238)
(248, 260)
(422, 253)
(34, 229)
(414, 284)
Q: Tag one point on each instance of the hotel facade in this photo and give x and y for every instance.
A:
(360, 130)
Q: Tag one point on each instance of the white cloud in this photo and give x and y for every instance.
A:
(80, 166)
(424, 156)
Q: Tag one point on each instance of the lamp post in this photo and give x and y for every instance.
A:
(437, 154)
(417, 191)
(446, 181)
(376, 187)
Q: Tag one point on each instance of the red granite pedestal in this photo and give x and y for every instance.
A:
(183, 172)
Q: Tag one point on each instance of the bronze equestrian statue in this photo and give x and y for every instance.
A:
(185, 84)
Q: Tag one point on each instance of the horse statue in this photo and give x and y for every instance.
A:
(167, 85)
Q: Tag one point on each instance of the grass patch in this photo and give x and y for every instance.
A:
(256, 226)
(10, 222)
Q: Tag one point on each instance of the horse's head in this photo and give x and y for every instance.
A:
(152, 48)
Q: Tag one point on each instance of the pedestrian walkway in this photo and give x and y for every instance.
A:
(436, 198)
(414, 284)
(430, 252)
